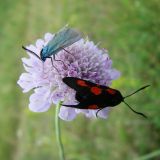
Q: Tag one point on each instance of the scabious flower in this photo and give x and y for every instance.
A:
(85, 61)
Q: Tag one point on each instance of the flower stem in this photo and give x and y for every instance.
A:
(150, 155)
(58, 132)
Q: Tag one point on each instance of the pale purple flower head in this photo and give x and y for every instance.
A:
(85, 61)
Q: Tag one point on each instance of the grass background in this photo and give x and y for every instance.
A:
(129, 29)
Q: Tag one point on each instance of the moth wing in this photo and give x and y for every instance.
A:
(82, 97)
(80, 85)
(64, 38)
(79, 97)
(70, 36)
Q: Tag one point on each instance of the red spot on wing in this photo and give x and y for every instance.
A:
(82, 83)
(111, 91)
(93, 106)
(96, 90)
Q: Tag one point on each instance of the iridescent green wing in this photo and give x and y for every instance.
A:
(62, 39)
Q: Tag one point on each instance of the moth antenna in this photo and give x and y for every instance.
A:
(33, 53)
(136, 91)
(135, 111)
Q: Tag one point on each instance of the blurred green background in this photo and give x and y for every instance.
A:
(130, 30)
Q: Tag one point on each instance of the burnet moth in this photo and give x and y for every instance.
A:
(62, 39)
(95, 96)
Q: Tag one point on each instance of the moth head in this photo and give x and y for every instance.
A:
(42, 54)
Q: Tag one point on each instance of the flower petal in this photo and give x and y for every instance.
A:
(114, 74)
(39, 44)
(48, 37)
(67, 114)
(40, 100)
(25, 82)
(57, 96)
(104, 113)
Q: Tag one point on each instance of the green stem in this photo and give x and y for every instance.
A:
(150, 155)
(58, 132)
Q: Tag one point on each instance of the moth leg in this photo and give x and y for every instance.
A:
(98, 112)
(58, 60)
(52, 63)
(67, 51)
(37, 87)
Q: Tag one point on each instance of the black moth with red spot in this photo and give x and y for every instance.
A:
(95, 96)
